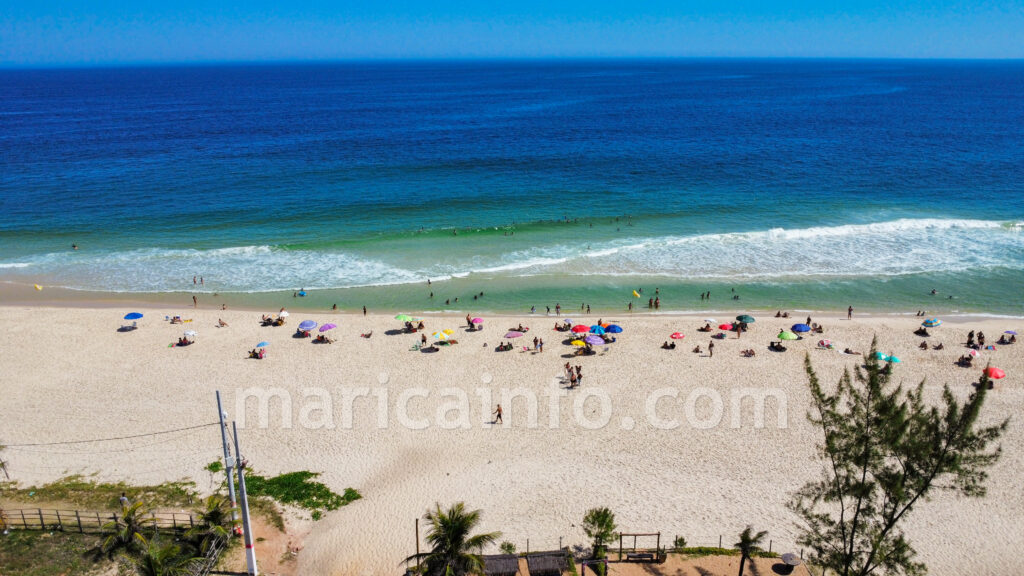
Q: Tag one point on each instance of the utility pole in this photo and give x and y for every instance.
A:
(250, 553)
(229, 462)
(417, 545)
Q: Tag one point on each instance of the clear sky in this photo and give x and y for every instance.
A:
(80, 32)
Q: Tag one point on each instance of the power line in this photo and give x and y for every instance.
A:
(115, 438)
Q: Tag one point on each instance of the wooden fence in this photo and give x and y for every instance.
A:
(83, 521)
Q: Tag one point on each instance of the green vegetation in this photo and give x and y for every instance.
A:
(88, 494)
(454, 551)
(679, 544)
(700, 551)
(299, 489)
(215, 467)
(884, 451)
(507, 547)
(32, 553)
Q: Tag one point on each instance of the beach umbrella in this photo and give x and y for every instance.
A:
(577, 343)
(133, 316)
(1011, 332)
(787, 336)
(307, 325)
(931, 323)
(595, 329)
(880, 356)
(567, 320)
(403, 318)
(327, 327)
(604, 325)
(439, 335)
(594, 340)
(892, 359)
(709, 320)
(513, 334)
(283, 314)
(973, 353)
(191, 333)
(636, 294)
(38, 287)
(801, 328)
(613, 329)
(745, 319)
(676, 336)
(263, 344)
(580, 329)
(448, 331)
(477, 320)
(994, 373)
(725, 326)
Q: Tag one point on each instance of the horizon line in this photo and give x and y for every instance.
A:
(474, 59)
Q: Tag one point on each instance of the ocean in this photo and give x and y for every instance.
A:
(788, 184)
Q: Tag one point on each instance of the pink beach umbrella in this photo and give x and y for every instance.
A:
(327, 327)
(477, 320)
(513, 334)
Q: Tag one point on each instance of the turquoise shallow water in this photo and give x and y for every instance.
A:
(798, 184)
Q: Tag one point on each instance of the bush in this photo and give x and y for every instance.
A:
(507, 547)
(679, 543)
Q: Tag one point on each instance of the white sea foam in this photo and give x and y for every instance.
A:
(899, 247)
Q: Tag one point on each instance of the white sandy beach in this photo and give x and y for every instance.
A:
(69, 375)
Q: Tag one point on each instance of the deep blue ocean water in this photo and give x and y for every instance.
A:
(796, 183)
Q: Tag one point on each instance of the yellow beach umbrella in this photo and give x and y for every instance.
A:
(440, 336)
(578, 343)
(448, 331)
(636, 294)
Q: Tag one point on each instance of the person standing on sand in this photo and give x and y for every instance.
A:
(711, 349)
(195, 302)
(540, 345)
(558, 309)
(123, 500)
(497, 416)
(849, 313)
(364, 310)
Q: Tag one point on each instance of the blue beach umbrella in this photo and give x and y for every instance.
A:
(932, 323)
(880, 356)
(133, 316)
(595, 329)
(801, 328)
(892, 359)
(307, 325)
(263, 344)
(613, 329)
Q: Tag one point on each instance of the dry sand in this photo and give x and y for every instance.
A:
(69, 375)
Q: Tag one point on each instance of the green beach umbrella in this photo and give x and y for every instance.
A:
(787, 336)
(745, 319)
(403, 318)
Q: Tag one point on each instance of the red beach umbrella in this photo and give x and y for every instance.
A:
(580, 329)
(677, 336)
(725, 326)
(994, 373)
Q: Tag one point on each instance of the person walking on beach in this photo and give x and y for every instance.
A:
(558, 309)
(849, 313)
(364, 310)
(540, 345)
(497, 416)
(711, 349)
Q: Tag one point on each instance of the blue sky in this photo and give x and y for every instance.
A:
(103, 32)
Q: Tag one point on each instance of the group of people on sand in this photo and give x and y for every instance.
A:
(781, 314)
(411, 328)
(184, 341)
(573, 375)
(257, 354)
(267, 320)
(924, 346)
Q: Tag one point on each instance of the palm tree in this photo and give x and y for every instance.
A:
(453, 551)
(124, 529)
(749, 544)
(154, 559)
(214, 525)
(599, 524)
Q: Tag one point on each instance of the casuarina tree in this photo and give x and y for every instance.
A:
(885, 451)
